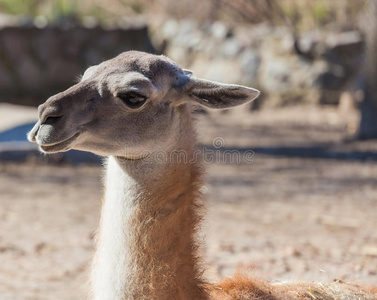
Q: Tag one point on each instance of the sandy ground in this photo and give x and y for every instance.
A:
(292, 217)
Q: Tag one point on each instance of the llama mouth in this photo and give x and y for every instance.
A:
(59, 146)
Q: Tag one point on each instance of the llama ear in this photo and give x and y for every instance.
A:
(187, 72)
(218, 95)
(89, 72)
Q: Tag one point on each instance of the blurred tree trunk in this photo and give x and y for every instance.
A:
(368, 124)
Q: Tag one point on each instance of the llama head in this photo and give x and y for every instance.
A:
(134, 101)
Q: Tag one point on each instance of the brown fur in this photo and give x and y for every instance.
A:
(244, 287)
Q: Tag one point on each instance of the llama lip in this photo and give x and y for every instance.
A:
(31, 136)
(59, 146)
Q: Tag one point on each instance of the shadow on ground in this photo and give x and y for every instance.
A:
(14, 146)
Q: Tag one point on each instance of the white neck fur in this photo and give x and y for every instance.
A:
(146, 244)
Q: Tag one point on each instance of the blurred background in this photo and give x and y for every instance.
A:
(303, 209)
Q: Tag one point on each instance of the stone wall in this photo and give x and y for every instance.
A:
(315, 68)
(36, 63)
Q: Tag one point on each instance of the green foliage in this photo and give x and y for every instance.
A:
(309, 14)
(320, 11)
(97, 13)
(52, 10)
(301, 14)
(291, 12)
(63, 8)
(137, 7)
(19, 7)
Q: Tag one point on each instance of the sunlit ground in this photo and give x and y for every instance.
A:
(308, 216)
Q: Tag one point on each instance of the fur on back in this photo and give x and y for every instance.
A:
(244, 287)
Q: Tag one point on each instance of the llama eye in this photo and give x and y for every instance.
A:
(132, 100)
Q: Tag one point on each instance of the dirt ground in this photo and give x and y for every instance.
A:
(304, 208)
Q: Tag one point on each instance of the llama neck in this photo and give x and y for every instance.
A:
(146, 247)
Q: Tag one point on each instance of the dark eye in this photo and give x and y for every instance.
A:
(133, 100)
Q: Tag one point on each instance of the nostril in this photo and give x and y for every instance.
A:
(52, 119)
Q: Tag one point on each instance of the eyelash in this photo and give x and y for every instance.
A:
(133, 100)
